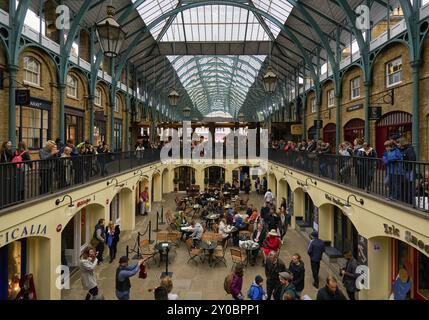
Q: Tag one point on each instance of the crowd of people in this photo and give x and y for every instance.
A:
(358, 163)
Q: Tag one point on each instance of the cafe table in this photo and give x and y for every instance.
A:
(208, 246)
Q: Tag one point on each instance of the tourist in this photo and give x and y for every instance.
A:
(287, 287)
(6, 153)
(330, 291)
(103, 150)
(402, 285)
(247, 185)
(87, 264)
(237, 283)
(197, 232)
(112, 239)
(271, 243)
(273, 267)
(264, 185)
(349, 274)
(265, 211)
(160, 293)
(21, 155)
(224, 230)
(46, 169)
(144, 202)
(367, 165)
(283, 222)
(345, 164)
(258, 236)
(394, 170)
(167, 283)
(297, 269)
(408, 154)
(256, 292)
(268, 197)
(273, 220)
(358, 142)
(123, 274)
(99, 239)
(315, 251)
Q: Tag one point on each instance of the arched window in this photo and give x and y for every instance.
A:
(31, 71)
(97, 100)
(71, 86)
(116, 107)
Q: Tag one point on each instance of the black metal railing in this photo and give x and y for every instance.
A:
(401, 181)
(23, 181)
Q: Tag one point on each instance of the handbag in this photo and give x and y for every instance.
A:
(94, 242)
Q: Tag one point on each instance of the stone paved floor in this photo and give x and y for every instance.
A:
(191, 281)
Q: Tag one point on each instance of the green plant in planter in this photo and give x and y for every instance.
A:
(221, 181)
(193, 180)
(206, 181)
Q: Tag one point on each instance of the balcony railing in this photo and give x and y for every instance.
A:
(404, 182)
(24, 181)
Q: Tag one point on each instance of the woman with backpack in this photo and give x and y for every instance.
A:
(234, 282)
(21, 154)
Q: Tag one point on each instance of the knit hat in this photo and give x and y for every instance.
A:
(258, 279)
(285, 275)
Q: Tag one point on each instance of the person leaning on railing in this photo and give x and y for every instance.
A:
(47, 166)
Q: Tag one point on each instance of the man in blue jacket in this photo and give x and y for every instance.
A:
(315, 251)
(123, 274)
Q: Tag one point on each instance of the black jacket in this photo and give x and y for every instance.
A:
(272, 270)
(349, 278)
(325, 294)
(298, 272)
(316, 249)
(265, 212)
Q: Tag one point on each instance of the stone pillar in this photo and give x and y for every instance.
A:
(199, 176)
(298, 206)
(127, 209)
(326, 223)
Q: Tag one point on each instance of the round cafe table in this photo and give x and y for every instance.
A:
(208, 246)
(249, 246)
(212, 218)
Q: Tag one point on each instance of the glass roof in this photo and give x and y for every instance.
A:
(217, 82)
(214, 22)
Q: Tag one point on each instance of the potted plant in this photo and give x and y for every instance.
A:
(206, 181)
(221, 182)
(175, 181)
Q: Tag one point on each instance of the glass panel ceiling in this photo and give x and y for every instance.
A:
(214, 22)
(217, 82)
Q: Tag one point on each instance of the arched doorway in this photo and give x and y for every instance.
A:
(311, 135)
(77, 234)
(311, 213)
(393, 125)
(345, 233)
(215, 176)
(416, 265)
(354, 129)
(183, 178)
(140, 187)
(329, 135)
(240, 174)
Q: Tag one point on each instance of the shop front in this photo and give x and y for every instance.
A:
(99, 127)
(392, 126)
(13, 265)
(346, 236)
(33, 123)
(329, 132)
(311, 213)
(413, 266)
(215, 176)
(354, 129)
(74, 124)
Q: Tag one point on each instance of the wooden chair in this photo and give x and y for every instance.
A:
(147, 250)
(162, 236)
(237, 257)
(244, 234)
(208, 236)
(219, 254)
(193, 252)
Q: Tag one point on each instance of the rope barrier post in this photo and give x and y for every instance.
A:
(157, 223)
(127, 251)
(162, 216)
(150, 232)
(166, 273)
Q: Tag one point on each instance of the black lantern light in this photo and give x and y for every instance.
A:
(270, 80)
(110, 34)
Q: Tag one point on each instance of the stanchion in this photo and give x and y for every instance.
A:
(150, 233)
(166, 273)
(162, 216)
(137, 245)
(127, 251)
(157, 223)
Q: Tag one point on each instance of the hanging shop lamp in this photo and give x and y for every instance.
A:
(241, 117)
(174, 97)
(110, 34)
(270, 80)
(186, 112)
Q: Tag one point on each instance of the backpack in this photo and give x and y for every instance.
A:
(18, 159)
(228, 282)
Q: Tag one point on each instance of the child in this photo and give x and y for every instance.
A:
(256, 291)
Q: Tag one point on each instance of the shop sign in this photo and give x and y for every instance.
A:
(374, 113)
(409, 237)
(22, 97)
(296, 129)
(83, 202)
(355, 107)
(338, 202)
(22, 232)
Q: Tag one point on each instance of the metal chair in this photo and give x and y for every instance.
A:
(147, 250)
(219, 254)
(162, 236)
(193, 252)
(237, 257)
